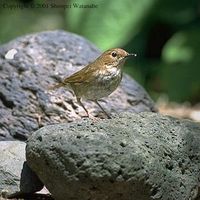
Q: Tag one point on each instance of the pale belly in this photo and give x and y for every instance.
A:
(101, 87)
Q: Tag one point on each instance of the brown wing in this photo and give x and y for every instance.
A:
(82, 76)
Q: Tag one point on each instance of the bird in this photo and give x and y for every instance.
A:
(98, 79)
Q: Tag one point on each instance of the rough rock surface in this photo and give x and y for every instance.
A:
(12, 157)
(40, 60)
(135, 156)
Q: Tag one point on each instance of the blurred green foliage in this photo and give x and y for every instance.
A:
(181, 71)
(18, 18)
(112, 23)
(164, 34)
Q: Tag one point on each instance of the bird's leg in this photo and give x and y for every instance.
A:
(79, 102)
(109, 117)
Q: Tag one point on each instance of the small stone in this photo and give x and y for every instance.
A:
(11, 161)
(4, 193)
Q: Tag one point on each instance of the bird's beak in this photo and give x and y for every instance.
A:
(131, 54)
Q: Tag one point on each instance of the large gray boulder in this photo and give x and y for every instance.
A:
(12, 157)
(30, 64)
(131, 157)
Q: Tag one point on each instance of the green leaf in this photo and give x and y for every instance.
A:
(17, 22)
(181, 73)
(112, 23)
(176, 12)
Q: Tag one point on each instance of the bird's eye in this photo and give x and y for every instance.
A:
(114, 54)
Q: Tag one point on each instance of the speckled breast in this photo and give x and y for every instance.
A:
(102, 86)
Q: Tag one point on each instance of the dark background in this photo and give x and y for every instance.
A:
(164, 33)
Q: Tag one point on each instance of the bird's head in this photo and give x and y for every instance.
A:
(115, 57)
